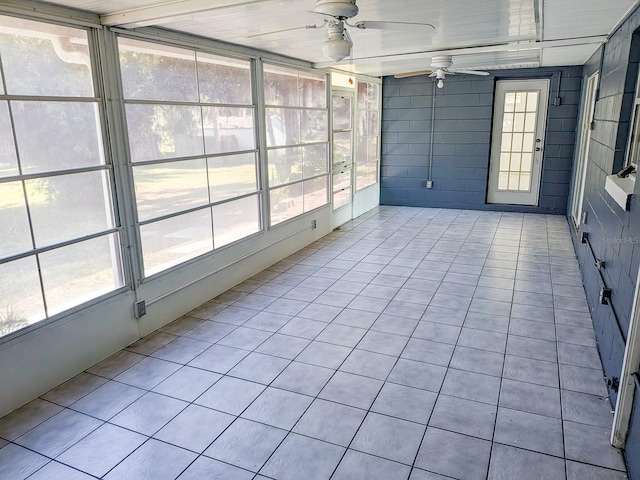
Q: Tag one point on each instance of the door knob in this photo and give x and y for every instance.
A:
(537, 149)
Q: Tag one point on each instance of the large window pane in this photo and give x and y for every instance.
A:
(232, 175)
(42, 59)
(20, 295)
(368, 95)
(313, 126)
(57, 135)
(224, 80)
(152, 71)
(65, 207)
(286, 203)
(167, 188)
(235, 220)
(285, 165)
(315, 193)
(14, 223)
(314, 160)
(312, 90)
(164, 131)
(80, 272)
(8, 160)
(175, 240)
(283, 127)
(228, 129)
(280, 86)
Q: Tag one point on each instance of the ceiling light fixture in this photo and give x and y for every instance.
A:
(337, 47)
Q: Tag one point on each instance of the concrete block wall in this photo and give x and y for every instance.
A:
(614, 233)
(462, 139)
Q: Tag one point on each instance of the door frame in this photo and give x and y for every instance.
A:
(343, 214)
(589, 98)
(514, 197)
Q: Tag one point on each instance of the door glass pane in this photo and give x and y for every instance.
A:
(507, 122)
(55, 136)
(521, 101)
(151, 71)
(224, 80)
(80, 272)
(341, 113)
(283, 127)
(286, 203)
(342, 198)
(285, 165)
(164, 131)
(530, 122)
(14, 222)
(44, 59)
(65, 207)
(532, 102)
(235, 220)
(517, 142)
(175, 240)
(8, 160)
(232, 175)
(166, 188)
(20, 295)
(315, 193)
(228, 129)
(341, 147)
(505, 159)
(341, 181)
(314, 160)
(509, 102)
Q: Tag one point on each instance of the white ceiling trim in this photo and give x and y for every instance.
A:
(168, 12)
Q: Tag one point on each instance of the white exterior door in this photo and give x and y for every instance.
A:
(584, 132)
(520, 115)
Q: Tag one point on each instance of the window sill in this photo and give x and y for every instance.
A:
(620, 189)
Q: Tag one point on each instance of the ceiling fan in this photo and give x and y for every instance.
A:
(441, 67)
(338, 44)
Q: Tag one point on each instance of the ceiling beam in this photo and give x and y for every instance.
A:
(501, 47)
(167, 12)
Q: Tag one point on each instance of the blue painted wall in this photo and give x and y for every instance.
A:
(614, 233)
(463, 114)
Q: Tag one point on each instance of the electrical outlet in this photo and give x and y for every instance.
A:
(314, 224)
(429, 183)
(140, 308)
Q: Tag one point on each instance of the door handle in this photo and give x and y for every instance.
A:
(537, 149)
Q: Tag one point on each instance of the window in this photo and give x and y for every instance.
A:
(297, 129)
(367, 134)
(633, 149)
(192, 141)
(60, 235)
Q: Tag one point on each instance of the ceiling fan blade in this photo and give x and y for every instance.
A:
(382, 25)
(305, 27)
(469, 72)
(412, 74)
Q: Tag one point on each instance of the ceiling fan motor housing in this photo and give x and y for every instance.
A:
(441, 61)
(340, 9)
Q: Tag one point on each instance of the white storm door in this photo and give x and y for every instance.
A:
(342, 162)
(588, 108)
(520, 116)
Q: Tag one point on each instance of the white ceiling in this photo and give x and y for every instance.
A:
(485, 33)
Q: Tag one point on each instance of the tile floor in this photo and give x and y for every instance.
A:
(411, 343)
